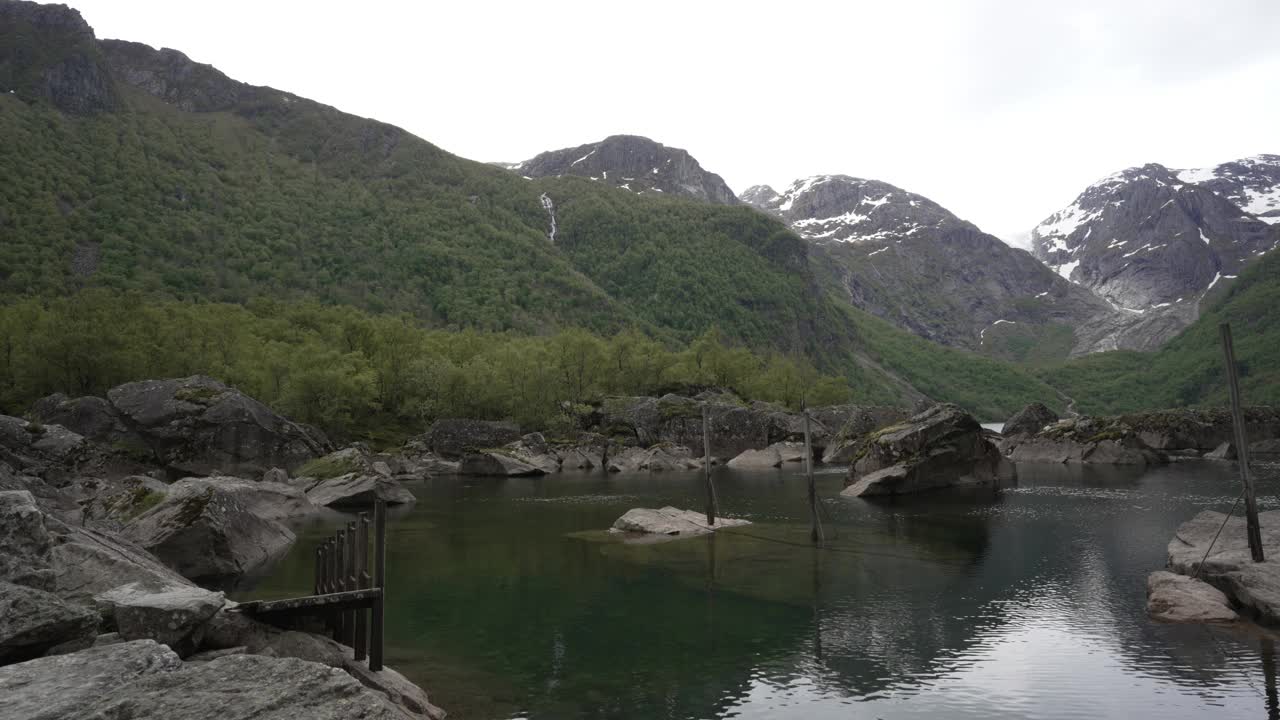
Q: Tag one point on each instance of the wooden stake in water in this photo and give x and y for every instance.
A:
(377, 625)
(815, 529)
(1242, 446)
(712, 510)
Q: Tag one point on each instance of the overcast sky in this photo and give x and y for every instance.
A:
(1000, 110)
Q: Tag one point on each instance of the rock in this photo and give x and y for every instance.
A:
(25, 542)
(1088, 441)
(207, 534)
(194, 425)
(88, 563)
(941, 447)
(455, 438)
(267, 500)
(659, 458)
(532, 450)
(1230, 567)
(57, 502)
(852, 437)
(173, 617)
(144, 680)
(33, 621)
(358, 490)
(31, 448)
(110, 503)
(68, 686)
(276, 475)
(670, 521)
(381, 468)
(1029, 420)
(771, 457)
(1202, 429)
(207, 655)
(1225, 451)
(1178, 598)
(1265, 447)
(499, 463)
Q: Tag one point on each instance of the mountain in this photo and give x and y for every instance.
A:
(1252, 183)
(632, 163)
(904, 258)
(1153, 242)
(149, 174)
(1189, 369)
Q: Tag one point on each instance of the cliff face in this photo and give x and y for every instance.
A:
(633, 163)
(48, 54)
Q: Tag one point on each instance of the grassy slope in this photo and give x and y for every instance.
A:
(1190, 370)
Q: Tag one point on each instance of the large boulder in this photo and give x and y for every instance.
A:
(194, 425)
(67, 686)
(497, 463)
(452, 438)
(851, 437)
(1029, 420)
(40, 449)
(59, 502)
(208, 534)
(357, 490)
(659, 458)
(776, 455)
(1230, 567)
(1199, 429)
(267, 500)
(670, 521)
(173, 617)
(1086, 440)
(33, 621)
(1178, 598)
(939, 448)
(110, 503)
(25, 541)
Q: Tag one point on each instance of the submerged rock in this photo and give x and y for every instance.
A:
(1179, 598)
(939, 448)
(670, 521)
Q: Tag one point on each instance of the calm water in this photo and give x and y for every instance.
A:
(506, 601)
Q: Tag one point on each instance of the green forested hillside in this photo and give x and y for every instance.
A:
(194, 187)
(1190, 369)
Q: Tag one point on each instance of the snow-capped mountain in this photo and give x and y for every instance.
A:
(907, 259)
(1149, 237)
(632, 163)
(1252, 183)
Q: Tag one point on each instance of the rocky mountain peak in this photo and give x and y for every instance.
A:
(840, 208)
(48, 54)
(633, 163)
(1252, 183)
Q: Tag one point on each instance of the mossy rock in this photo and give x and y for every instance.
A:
(326, 468)
(198, 395)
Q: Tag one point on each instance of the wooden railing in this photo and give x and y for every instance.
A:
(352, 602)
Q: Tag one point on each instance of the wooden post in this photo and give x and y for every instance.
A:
(380, 582)
(815, 530)
(361, 646)
(349, 582)
(339, 580)
(712, 510)
(1242, 446)
(318, 585)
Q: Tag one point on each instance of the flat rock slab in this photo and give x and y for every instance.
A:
(1178, 598)
(142, 679)
(168, 617)
(670, 522)
(359, 490)
(1230, 567)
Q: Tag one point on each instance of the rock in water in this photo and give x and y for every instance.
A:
(208, 535)
(194, 425)
(32, 621)
(453, 438)
(170, 617)
(359, 490)
(1230, 567)
(670, 521)
(1178, 598)
(939, 448)
(267, 500)
(771, 457)
(1029, 420)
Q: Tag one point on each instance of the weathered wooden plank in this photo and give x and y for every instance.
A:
(379, 581)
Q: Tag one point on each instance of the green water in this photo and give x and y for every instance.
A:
(505, 600)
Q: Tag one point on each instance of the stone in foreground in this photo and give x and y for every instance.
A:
(1254, 587)
(941, 447)
(670, 522)
(33, 621)
(1179, 598)
(173, 617)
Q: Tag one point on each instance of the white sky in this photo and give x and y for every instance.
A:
(1000, 110)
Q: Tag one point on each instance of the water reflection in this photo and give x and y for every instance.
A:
(1024, 603)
